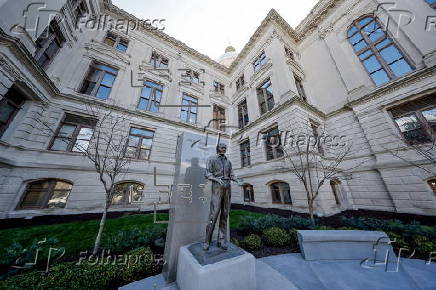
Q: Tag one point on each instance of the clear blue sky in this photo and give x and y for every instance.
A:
(209, 26)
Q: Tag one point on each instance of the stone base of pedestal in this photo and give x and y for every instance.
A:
(216, 269)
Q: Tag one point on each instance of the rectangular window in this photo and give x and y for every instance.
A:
(243, 114)
(189, 109)
(248, 193)
(74, 134)
(99, 81)
(158, 61)
(244, 148)
(265, 97)
(273, 144)
(416, 120)
(151, 95)
(48, 44)
(218, 87)
(300, 88)
(139, 144)
(240, 82)
(116, 42)
(219, 117)
(11, 103)
(259, 62)
(191, 76)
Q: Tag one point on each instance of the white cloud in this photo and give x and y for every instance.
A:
(209, 26)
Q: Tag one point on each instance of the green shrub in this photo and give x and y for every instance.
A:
(276, 237)
(373, 224)
(258, 225)
(87, 274)
(251, 243)
(399, 241)
(293, 237)
(17, 254)
(423, 245)
(323, 228)
(123, 241)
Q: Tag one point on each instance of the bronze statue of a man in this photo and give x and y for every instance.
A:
(219, 171)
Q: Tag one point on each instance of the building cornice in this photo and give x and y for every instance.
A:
(321, 10)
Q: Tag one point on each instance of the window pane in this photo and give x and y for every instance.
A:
(430, 115)
(52, 49)
(145, 92)
(365, 54)
(6, 110)
(33, 199)
(408, 123)
(108, 80)
(66, 131)
(400, 68)
(80, 146)
(103, 92)
(144, 154)
(58, 199)
(356, 38)
(87, 88)
(142, 132)
(390, 54)
(380, 77)
(122, 47)
(365, 21)
(360, 45)
(383, 43)
(184, 116)
(372, 64)
(143, 103)
(60, 144)
(85, 134)
(146, 143)
(133, 141)
(351, 31)
(109, 41)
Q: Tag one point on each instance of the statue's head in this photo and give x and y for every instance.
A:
(221, 148)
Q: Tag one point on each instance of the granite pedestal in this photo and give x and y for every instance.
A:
(215, 269)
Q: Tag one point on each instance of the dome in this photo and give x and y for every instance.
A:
(230, 49)
(228, 57)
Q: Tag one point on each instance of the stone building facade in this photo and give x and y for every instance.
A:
(342, 69)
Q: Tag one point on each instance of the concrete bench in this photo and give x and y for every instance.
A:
(344, 245)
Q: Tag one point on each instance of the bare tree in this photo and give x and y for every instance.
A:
(106, 150)
(313, 161)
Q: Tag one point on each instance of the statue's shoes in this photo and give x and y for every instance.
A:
(205, 247)
(222, 246)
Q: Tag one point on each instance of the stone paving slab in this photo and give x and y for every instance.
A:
(291, 271)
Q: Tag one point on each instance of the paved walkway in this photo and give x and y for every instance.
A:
(291, 271)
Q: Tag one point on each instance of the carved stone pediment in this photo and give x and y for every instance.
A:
(101, 49)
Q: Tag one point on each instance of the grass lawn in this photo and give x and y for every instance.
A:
(79, 236)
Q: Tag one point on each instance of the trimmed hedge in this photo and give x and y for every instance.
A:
(258, 225)
(122, 241)
(88, 275)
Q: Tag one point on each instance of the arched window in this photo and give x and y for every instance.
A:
(335, 185)
(248, 192)
(432, 183)
(47, 193)
(378, 53)
(281, 193)
(126, 193)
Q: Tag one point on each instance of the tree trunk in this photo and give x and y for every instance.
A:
(312, 218)
(100, 231)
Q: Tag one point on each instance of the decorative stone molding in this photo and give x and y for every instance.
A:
(100, 49)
